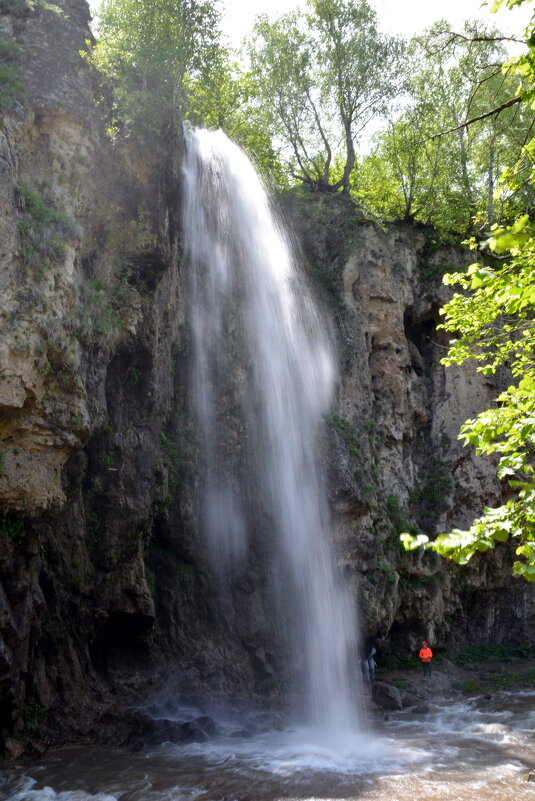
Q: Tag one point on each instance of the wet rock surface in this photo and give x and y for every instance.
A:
(483, 683)
(386, 695)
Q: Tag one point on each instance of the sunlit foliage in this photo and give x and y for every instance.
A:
(492, 319)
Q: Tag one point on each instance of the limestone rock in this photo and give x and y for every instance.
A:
(386, 695)
(14, 748)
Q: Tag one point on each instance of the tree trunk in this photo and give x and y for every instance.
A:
(490, 198)
(350, 158)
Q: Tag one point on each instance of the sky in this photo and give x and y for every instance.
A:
(395, 16)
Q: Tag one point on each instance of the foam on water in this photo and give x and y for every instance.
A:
(24, 790)
(483, 759)
(305, 750)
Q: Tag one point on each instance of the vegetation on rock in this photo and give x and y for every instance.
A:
(148, 51)
(492, 322)
(11, 83)
(43, 230)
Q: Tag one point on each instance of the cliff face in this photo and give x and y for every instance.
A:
(396, 463)
(85, 382)
(104, 583)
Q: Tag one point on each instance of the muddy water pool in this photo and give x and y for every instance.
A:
(462, 750)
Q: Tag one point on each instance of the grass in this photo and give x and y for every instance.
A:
(402, 684)
(43, 230)
(504, 681)
(11, 84)
(495, 653)
(469, 687)
(390, 662)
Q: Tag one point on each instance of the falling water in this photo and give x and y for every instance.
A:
(263, 377)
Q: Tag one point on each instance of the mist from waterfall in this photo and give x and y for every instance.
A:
(262, 378)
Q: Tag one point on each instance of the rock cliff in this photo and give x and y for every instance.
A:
(396, 463)
(104, 586)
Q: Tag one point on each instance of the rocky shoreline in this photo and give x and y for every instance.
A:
(400, 691)
(396, 690)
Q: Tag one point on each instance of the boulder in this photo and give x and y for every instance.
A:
(448, 667)
(14, 747)
(386, 695)
(409, 699)
(207, 724)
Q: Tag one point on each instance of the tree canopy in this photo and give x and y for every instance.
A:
(450, 181)
(146, 50)
(324, 74)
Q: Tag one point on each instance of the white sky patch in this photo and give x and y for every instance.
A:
(408, 17)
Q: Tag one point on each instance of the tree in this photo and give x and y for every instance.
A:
(493, 320)
(418, 171)
(324, 74)
(359, 67)
(146, 49)
(444, 171)
(225, 97)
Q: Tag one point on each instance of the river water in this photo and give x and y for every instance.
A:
(459, 750)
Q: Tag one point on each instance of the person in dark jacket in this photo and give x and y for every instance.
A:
(369, 651)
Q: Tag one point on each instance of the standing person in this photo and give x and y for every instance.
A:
(426, 655)
(368, 661)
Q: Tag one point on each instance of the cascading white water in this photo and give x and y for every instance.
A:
(263, 376)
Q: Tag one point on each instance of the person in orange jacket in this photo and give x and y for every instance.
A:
(426, 655)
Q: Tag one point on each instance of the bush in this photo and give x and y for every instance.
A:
(43, 230)
(11, 84)
(495, 652)
(96, 316)
(432, 494)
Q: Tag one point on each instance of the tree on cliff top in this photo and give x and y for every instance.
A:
(450, 180)
(493, 322)
(146, 49)
(324, 75)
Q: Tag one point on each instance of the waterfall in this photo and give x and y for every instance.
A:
(262, 378)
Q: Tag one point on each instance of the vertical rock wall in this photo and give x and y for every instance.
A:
(88, 274)
(396, 462)
(104, 586)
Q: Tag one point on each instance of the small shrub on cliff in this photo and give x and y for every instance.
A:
(43, 229)
(171, 455)
(396, 516)
(97, 318)
(432, 494)
(11, 84)
(345, 431)
(12, 528)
